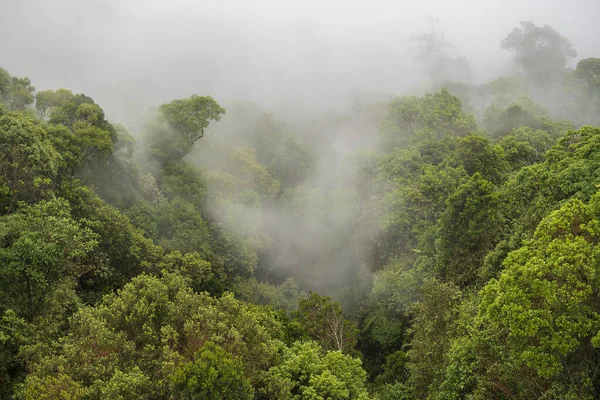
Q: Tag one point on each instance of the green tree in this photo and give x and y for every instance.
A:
(322, 320)
(28, 161)
(16, 93)
(307, 373)
(468, 230)
(39, 247)
(139, 337)
(538, 323)
(524, 146)
(213, 375)
(190, 117)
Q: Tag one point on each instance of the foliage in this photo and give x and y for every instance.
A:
(28, 161)
(214, 374)
(149, 330)
(321, 319)
(451, 262)
(305, 373)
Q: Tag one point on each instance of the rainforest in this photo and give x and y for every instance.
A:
(412, 225)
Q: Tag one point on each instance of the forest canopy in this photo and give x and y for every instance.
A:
(437, 244)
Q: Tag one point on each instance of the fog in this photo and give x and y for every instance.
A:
(310, 63)
(133, 54)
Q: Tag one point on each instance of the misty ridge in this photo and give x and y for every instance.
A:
(317, 200)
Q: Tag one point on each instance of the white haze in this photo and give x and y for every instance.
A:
(307, 61)
(304, 54)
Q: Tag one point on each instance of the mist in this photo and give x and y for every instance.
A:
(288, 56)
(319, 72)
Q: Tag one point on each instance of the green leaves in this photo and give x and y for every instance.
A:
(191, 116)
(135, 340)
(536, 325)
(410, 120)
(213, 375)
(16, 93)
(468, 229)
(40, 247)
(27, 161)
(321, 319)
(305, 373)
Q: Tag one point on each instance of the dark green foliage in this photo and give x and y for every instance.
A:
(432, 331)
(468, 230)
(28, 162)
(149, 329)
(40, 247)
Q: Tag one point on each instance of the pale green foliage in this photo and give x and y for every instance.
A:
(307, 373)
(283, 296)
(149, 328)
(434, 116)
(321, 319)
(252, 175)
(541, 51)
(15, 93)
(504, 90)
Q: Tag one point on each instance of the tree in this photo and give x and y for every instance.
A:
(28, 161)
(40, 247)
(307, 373)
(16, 93)
(431, 53)
(180, 124)
(588, 70)
(537, 330)
(476, 154)
(80, 131)
(321, 318)
(150, 338)
(436, 62)
(524, 146)
(541, 51)
(432, 330)
(213, 375)
(410, 120)
(468, 229)
(44, 100)
(402, 120)
(190, 117)
(504, 90)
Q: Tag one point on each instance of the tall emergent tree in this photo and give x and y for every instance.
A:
(188, 119)
(541, 51)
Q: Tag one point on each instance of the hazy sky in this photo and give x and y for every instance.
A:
(131, 54)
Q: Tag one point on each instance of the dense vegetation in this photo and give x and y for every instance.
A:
(212, 256)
